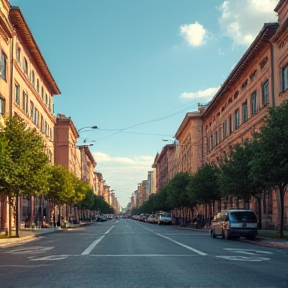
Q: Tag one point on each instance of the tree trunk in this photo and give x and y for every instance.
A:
(17, 215)
(280, 209)
(10, 217)
(259, 212)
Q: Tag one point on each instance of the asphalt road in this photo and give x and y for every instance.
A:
(127, 253)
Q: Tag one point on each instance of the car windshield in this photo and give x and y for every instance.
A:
(165, 214)
(244, 216)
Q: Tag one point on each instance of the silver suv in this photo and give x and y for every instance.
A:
(234, 223)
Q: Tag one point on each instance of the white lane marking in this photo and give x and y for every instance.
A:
(243, 258)
(109, 230)
(240, 250)
(50, 258)
(145, 255)
(176, 242)
(25, 250)
(183, 245)
(92, 246)
(26, 266)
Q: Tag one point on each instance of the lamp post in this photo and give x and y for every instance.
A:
(89, 127)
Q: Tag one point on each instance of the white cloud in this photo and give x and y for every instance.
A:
(123, 174)
(207, 94)
(193, 34)
(241, 20)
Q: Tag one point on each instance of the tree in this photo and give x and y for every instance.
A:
(234, 178)
(23, 163)
(203, 186)
(270, 162)
(177, 190)
(61, 185)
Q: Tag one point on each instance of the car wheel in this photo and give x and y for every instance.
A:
(213, 235)
(226, 234)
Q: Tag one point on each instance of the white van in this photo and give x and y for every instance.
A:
(234, 223)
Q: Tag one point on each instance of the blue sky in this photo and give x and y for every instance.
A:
(134, 68)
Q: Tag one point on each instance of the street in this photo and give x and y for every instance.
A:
(127, 253)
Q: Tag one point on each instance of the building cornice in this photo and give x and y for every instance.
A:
(21, 27)
(90, 156)
(186, 120)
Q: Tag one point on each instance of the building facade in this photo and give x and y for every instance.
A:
(26, 89)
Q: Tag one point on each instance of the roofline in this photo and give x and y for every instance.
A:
(16, 17)
(273, 26)
(185, 121)
(278, 6)
(164, 151)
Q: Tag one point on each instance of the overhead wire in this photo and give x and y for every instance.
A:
(159, 118)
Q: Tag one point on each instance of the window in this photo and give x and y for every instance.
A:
(36, 118)
(45, 128)
(220, 134)
(2, 106)
(236, 119)
(49, 104)
(42, 124)
(38, 86)
(211, 141)
(265, 94)
(224, 130)
(33, 78)
(285, 78)
(25, 66)
(25, 102)
(17, 96)
(42, 93)
(230, 124)
(244, 112)
(216, 138)
(32, 110)
(18, 55)
(253, 103)
(3, 65)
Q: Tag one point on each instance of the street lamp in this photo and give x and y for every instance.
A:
(91, 127)
(83, 146)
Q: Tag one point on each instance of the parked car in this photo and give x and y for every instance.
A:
(151, 219)
(234, 223)
(163, 218)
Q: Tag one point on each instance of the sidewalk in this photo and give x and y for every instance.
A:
(269, 238)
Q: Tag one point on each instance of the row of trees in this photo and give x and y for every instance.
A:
(257, 166)
(25, 170)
